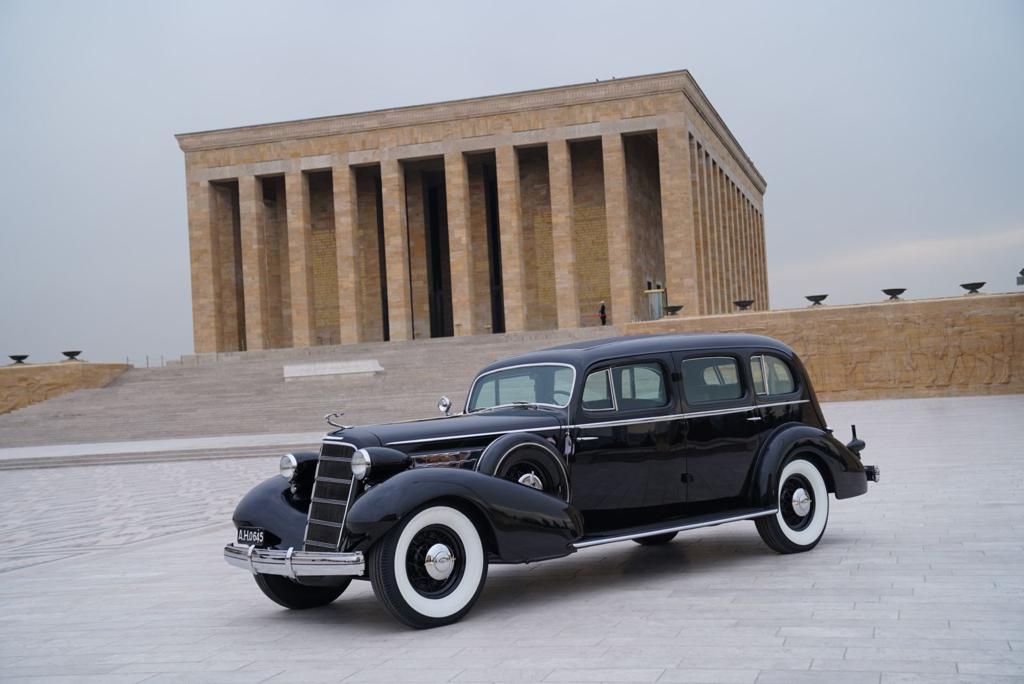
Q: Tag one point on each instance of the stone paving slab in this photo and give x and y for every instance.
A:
(114, 574)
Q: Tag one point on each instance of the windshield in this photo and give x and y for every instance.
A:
(542, 384)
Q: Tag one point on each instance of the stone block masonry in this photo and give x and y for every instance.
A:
(24, 385)
(505, 213)
(968, 345)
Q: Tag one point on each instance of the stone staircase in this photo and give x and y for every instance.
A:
(244, 392)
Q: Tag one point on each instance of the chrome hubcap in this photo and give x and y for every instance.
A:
(801, 502)
(439, 562)
(530, 479)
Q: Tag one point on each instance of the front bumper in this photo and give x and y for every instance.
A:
(294, 564)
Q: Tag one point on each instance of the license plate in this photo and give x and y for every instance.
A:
(251, 536)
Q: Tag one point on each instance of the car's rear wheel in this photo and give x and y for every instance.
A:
(656, 540)
(289, 594)
(430, 569)
(802, 514)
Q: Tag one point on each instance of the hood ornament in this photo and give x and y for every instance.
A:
(336, 414)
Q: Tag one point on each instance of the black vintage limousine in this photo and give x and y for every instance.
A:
(628, 438)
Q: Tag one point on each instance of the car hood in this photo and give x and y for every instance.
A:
(408, 434)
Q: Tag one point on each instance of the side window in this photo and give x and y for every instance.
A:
(597, 395)
(640, 386)
(711, 379)
(771, 375)
(757, 372)
(780, 380)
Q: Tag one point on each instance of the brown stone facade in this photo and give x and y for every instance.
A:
(968, 345)
(513, 212)
(24, 385)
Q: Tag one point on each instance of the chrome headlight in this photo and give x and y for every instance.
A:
(360, 464)
(287, 466)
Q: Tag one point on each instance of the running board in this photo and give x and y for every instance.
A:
(647, 531)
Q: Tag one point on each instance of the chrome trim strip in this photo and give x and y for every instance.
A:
(476, 434)
(572, 392)
(334, 480)
(677, 528)
(610, 423)
(325, 523)
(336, 502)
(684, 416)
(294, 564)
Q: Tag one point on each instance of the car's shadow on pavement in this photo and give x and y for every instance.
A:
(512, 589)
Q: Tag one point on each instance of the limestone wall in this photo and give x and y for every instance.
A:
(27, 384)
(919, 348)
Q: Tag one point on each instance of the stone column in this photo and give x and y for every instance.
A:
(707, 218)
(620, 247)
(763, 246)
(729, 266)
(678, 230)
(717, 235)
(254, 263)
(296, 187)
(202, 247)
(396, 249)
(460, 243)
(510, 221)
(347, 252)
(560, 181)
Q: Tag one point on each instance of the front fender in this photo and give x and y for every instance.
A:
(520, 524)
(844, 473)
(267, 506)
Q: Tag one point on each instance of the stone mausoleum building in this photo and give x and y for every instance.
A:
(504, 213)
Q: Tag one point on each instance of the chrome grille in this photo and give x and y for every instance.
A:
(332, 493)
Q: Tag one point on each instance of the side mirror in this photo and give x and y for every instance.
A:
(444, 405)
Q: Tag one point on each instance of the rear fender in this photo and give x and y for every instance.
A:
(843, 472)
(522, 524)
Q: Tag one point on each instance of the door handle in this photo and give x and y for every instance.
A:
(754, 418)
(585, 439)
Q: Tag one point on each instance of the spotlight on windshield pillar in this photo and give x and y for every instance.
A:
(816, 300)
(743, 304)
(894, 293)
(972, 288)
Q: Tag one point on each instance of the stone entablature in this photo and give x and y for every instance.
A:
(967, 345)
(512, 212)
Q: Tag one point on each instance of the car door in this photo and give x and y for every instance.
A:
(778, 393)
(722, 429)
(628, 468)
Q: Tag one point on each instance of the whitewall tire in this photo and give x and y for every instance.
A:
(802, 514)
(430, 569)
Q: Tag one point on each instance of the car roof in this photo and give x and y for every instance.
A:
(582, 353)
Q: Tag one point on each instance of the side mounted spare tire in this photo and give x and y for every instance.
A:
(528, 460)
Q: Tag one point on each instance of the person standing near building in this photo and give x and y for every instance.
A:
(603, 314)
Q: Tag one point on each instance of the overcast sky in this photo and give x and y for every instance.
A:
(890, 133)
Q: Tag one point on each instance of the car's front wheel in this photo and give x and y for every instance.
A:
(802, 512)
(429, 570)
(289, 594)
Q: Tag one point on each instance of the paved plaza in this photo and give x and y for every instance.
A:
(113, 573)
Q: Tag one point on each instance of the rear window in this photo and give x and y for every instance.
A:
(710, 379)
(771, 375)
